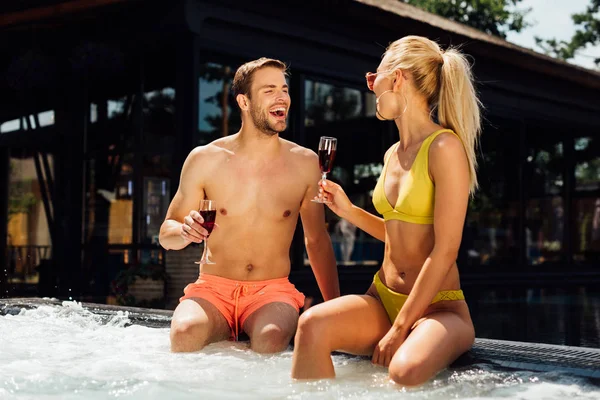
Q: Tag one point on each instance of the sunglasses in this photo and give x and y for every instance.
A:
(371, 76)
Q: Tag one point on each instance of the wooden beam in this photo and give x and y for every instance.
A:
(48, 12)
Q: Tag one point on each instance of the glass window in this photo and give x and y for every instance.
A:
(45, 118)
(128, 157)
(325, 103)
(29, 241)
(109, 208)
(218, 113)
(544, 186)
(10, 126)
(370, 104)
(109, 192)
(586, 200)
(159, 137)
(347, 114)
(490, 236)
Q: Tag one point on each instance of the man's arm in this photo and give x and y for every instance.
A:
(316, 237)
(182, 222)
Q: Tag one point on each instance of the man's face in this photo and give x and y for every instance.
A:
(269, 101)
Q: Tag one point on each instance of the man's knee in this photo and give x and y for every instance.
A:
(188, 335)
(271, 339)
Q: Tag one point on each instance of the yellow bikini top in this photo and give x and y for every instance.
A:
(416, 198)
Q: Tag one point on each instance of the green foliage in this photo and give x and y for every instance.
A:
(587, 33)
(20, 197)
(496, 17)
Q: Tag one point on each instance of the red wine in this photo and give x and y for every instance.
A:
(209, 219)
(326, 160)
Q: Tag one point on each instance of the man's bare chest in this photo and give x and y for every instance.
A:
(273, 193)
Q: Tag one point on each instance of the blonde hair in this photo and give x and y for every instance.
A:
(446, 81)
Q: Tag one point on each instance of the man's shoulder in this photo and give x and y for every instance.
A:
(216, 148)
(300, 153)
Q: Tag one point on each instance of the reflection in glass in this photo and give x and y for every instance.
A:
(586, 204)
(28, 234)
(326, 103)
(490, 236)
(544, 214)
(218, 113)
(342, 112)
(370, 104)
(109, 208)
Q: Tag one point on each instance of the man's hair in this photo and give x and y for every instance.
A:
(242, 81)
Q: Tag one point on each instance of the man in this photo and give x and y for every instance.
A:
(260, 184)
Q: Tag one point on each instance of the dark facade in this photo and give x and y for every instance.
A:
(101, 102)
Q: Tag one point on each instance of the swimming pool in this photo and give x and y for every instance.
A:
(54, 350)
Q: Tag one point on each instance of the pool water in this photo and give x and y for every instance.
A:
(67, 352)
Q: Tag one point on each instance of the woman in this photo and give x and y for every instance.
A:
(413, 319)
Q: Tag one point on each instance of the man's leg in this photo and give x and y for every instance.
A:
(196, 323)
(271, 327)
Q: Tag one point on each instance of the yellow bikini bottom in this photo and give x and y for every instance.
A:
(393, 301)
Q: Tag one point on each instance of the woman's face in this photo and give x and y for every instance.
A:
(387, 103)
(384, 79)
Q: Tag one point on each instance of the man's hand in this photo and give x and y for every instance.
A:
(191, 229)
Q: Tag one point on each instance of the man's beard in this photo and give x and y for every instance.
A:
(262, 123)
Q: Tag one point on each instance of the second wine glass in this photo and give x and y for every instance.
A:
(327, 149)
(208, 211)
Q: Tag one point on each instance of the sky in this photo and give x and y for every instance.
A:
(552, 19)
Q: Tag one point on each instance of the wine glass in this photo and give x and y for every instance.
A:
(327, 148)
(208, 211)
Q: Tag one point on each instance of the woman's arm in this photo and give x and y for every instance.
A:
(372, 224)
(341, 205)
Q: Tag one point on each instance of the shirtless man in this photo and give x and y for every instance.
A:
(260, 184)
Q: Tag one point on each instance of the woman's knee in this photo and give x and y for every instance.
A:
(312, 328)
(407, 372)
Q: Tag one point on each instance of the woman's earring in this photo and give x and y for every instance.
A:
(377, 106)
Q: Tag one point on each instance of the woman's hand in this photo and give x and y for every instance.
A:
(388, 346)
(333, 193)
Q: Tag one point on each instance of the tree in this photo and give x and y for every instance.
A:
(496, 17)
(588, 33)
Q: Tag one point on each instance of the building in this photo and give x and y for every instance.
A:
(101, 100)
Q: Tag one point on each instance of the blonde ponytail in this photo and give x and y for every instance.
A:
(446, 81)
(458, 106)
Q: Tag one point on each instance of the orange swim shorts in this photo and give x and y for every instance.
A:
(237, 300)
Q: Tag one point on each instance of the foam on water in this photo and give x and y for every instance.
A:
(67, 352)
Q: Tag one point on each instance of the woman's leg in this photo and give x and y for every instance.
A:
(437, 340)
(353, 324)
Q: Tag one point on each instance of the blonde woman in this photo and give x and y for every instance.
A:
(414, 318)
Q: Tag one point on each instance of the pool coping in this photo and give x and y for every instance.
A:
(538, 357)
